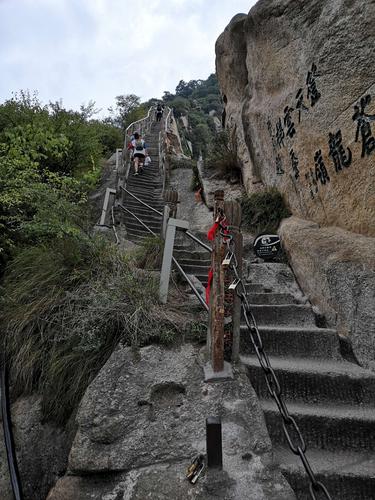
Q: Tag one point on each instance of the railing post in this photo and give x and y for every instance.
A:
(166, 212)
(214, 443)
(232, 210)
(167, 256)
(216, 368)
(118, 150)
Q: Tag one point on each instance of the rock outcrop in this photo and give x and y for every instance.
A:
(142, 420)
(42, 451)
(297, 80)
(336, 269)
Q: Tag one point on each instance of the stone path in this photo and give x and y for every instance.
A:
(147, 187)
(332, 400)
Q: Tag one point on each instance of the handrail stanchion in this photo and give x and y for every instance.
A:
(168, 255)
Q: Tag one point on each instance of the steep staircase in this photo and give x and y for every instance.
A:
(148, 187)
(193, 259)
(332, 400)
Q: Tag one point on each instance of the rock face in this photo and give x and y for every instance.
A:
(42, 451)
(336, 269)
(297, 80)
(142, 421)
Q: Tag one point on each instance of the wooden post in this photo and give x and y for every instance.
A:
(217, 290)
(233, 214)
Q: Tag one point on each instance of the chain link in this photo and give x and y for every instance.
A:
(289, 424)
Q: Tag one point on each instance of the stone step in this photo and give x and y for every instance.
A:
(140, 231)
(202, 277)
(194, 269)
(315, 381)
(132, 223)
(147, 198)
(132, 202)
(193, 262)
(299, 341)
(151, 174)
(281, 315)
(346, 475)
(146, 179)
(138, 239)
(271, 298)
(257, 288)
(138, 190)
(144, 217)
(329, 427)
(186, 254)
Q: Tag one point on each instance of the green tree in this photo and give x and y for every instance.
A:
(125, 105)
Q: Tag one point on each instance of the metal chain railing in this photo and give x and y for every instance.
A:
(8, 432)
(297, 446)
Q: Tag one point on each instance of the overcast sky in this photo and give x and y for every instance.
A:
(79, 50)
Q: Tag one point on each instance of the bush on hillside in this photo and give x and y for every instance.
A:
(50, 158)
(65, 307)
(175, 162)
(149, 255)
(222, 159)
(262, 212)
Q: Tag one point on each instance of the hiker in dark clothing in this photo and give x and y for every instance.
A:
(159, 112)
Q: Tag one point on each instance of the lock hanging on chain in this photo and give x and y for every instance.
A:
(235, 284)
(227, 260)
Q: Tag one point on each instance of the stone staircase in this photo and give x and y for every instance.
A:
(332, 400)
(147, 187)
(194, 260)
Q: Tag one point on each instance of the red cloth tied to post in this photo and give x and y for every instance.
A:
(222, 224)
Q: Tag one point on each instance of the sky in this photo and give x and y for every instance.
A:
(82, 50)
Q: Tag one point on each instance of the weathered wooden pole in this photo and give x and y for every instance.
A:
(233, 215)
(217, 291)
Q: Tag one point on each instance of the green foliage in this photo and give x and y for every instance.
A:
(263, 211)
(180, 105)
(175, 162)
(195, 183)
(50, 158)
(195, 99)
(150, 253)
(222, 159)
(128, 108)
(65, 307)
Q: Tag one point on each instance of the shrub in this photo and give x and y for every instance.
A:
(222, 159)
(195, 183)
(263, 211)
(150, 253)
(175, 162)
(64, 308)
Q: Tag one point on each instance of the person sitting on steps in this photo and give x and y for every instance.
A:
(140, 152)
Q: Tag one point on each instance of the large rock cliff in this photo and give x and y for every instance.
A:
(297, 79)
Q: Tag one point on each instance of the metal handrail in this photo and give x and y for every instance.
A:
(140, 120)
(141, 201)
(138, 219)
(197, 240)
(114, 226)
(8, 434)
(196, 293)
(162, 136)
(190, 283)
(125, 156)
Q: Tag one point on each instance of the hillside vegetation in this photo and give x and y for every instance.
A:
(68, 296)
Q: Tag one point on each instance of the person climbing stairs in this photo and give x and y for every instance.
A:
(147, 187)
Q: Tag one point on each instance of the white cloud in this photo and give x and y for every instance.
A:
(79, 50)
